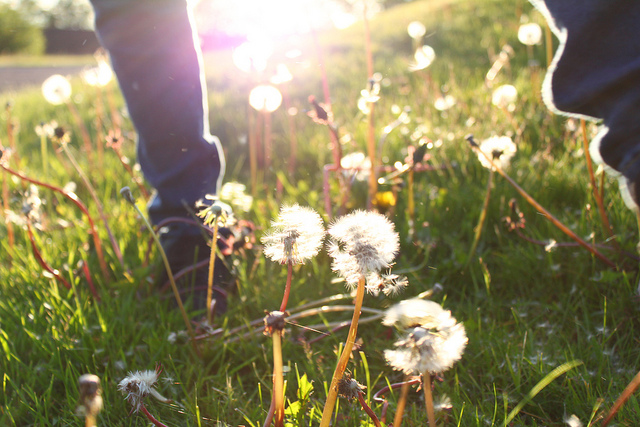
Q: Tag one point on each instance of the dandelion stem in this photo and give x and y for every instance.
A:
(428, 399)
(212, 267)
(540, 208)
(368, 409)
(78, 203)
(42, 262)
(404, 393)
(597, 195)
(44, 154)
(481, 220)
(626, 394)
(278, 381)
(5, 206)
(94, 196)
(344, 356)
(371, 142)
(151, 418)
(287, 288)
(83, 130)
(411, 206)
(167, 266)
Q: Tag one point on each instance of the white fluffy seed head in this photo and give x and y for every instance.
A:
(362, 243)
(295, 236)
(137, 386)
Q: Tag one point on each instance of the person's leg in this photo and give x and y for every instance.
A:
(156, 57)
(596, 74)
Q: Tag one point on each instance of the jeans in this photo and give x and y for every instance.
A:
(156, 56)
(596, 74)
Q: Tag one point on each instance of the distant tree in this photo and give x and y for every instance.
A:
(17, 34)
(70, 14)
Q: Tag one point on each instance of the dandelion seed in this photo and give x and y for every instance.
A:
(416, 30)
(56, 89)
(362, 243)
(573, 421)
(265, 98)
(500, 149)
(530, 34)
(432, 347)
(295, 236)
(388, 284)
(443, 403)
(505, 97)
(423, 57)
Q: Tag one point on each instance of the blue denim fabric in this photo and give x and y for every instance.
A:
(596, 74)
(156, 57)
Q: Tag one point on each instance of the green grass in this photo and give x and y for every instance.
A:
(526, 311)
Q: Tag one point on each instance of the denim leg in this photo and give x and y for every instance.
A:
(596, 74)
(156, 57)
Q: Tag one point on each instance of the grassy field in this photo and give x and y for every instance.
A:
(529, 305)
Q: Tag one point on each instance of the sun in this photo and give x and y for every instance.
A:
(272, 20)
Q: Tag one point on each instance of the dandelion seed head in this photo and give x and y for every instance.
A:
(505, 97)
(137, 386)
(423, 57)
(56, 89)
(425, 350)
(348, 387)
(265, 98)
(500, 148)
(362, 243)
(295, 236)
(416, 29)
(417, 312)
(530, 34)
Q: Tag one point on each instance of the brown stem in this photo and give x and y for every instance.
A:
(626, 394)
(96, 200)
(212, 267)
(287, 288)
(78, 203)
(404, 392)
(368, 409)
(42, 262)
(5, 206)
(83, 130)
(541, 209)
(428, 399)
(597, 195)
(151, 418)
